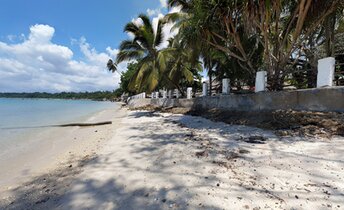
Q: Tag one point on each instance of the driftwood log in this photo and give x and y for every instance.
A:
(84, 124)
(62, 125)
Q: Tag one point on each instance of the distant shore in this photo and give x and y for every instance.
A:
(72, 99)
(96, 96)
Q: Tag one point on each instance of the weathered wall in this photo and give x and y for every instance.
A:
(137, 103)
(324, 99)
(161, 102)
(187, 103)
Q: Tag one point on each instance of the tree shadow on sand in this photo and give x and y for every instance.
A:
(52, 191)
(173, 155)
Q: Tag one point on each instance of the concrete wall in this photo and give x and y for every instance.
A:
(181, 102)
(161, 102)
(137, 103)
(324, 99)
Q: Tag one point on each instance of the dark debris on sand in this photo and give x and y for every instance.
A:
(283, 122)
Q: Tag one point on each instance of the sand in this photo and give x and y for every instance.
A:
(170, 161)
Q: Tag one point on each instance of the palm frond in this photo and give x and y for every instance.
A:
(130, 45)
(131, 28)
(127, 55)
(146, 22)
(159, 36)
(185, 6)
(188, 74)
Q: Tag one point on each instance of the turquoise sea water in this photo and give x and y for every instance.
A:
(19, 116)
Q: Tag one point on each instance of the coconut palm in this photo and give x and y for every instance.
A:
(189, 34)
(182, 67)
(144, 48)
(201, 29)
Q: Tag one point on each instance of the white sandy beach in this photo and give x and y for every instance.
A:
(167, 161)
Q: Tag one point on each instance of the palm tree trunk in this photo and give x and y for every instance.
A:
(210, 75)
(330, 32)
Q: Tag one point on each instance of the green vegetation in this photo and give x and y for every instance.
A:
(97, 96)
(125, 80)
(234, 39)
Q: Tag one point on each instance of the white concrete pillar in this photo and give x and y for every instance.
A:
(170, 94)
(225, 86)
(189, 93)
(205, 89)
(177, 93)
(326, 69)
(261, 81)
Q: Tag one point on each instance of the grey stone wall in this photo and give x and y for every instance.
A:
(137, 103)
(324, 99)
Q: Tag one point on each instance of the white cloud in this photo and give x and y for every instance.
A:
(166, 30)
(41, 33)
(137, 21)
(153, 12)
(14, 38)
(11, 38)
(175, 9)
(112, 52)
(38, 64)
(163, 3)
(156, 14)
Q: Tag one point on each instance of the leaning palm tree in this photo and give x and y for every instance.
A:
(111, 66)
(144, 48)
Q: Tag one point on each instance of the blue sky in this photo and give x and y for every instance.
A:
(61, 45)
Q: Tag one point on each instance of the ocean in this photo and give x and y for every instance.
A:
(21, 117)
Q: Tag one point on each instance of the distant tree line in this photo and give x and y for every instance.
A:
(97, 96)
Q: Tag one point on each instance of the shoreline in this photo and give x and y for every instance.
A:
(50, 148)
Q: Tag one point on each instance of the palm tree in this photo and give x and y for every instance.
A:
(189, 34)
(111, 66)
(202, 30)
(182, 67)
(143, 47)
